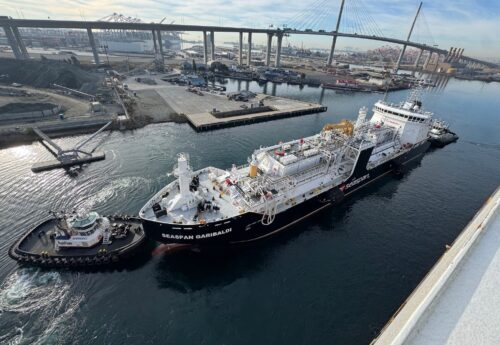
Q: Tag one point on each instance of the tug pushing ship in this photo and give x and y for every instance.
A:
(283, 184)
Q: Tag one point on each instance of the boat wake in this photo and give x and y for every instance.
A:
(40, 305)
(123, 189)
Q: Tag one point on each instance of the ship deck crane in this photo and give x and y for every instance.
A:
(345, 126)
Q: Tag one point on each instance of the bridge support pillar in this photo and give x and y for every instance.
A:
(398, 63)
(249, 54)
(240, 52)
(268, 52)
(277, 63)
(93, 46)
(212, 46)
(205, 48)
(447, 57)
(438, 56)
(22, 46)
(160, 43)
(426, 63)
(155, 42)
(161, 60)
(417, 61)
(13, 42)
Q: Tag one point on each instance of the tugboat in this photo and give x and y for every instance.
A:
(79, 239)
(286, 183)
(440, 135)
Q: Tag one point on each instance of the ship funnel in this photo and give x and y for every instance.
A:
(361, 117)
(184, 173)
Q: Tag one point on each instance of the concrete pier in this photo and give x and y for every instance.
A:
(457, 302)
(205, 48)
(212, 46)
(450, 55)
(277, 63)
(155, 43)
(417, 61)
(269, 45)
(160, 44)
(240, 52)
(249, 53)
(55, 164)
(275, 108)
(93, 46)
(438, 57)
(427, 60)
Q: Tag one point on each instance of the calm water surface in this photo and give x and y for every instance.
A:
(334, 279)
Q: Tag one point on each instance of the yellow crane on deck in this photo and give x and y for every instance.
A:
(345, 126)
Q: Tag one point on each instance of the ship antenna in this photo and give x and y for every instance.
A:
(386, 92)
(415, 94)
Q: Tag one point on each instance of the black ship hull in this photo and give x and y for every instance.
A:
(248, 227)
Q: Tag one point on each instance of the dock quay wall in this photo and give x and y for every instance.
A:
(30, 115)
(254, 110)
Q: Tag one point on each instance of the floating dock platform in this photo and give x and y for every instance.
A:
(458, 301)
(208, 121)
(54, 164)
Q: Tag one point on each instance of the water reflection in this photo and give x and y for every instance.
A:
(192, 271)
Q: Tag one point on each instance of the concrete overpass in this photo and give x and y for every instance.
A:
(11, 27)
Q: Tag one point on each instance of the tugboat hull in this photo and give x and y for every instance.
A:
(36, 247)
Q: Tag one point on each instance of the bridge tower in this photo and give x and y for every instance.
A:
(334, 41)
(407, 39)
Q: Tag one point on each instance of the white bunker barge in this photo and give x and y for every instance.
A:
(79, 239)
(286, 183)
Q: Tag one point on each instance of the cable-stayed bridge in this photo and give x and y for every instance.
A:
(352, 21)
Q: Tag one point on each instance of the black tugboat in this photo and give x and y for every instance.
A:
(440, 134)
(78, 240)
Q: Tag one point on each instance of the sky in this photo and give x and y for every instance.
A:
(470, 24)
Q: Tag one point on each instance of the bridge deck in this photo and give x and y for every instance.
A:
(75, 24)
(458, 301)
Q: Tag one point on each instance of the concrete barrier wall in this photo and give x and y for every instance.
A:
(30, 114)
(254, 110)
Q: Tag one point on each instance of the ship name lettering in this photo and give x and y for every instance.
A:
(214, 234)
(358, 180)
(178, 237)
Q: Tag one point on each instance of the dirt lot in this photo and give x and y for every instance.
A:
(152, 105)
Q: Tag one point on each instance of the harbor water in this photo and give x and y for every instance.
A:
(336, 278)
